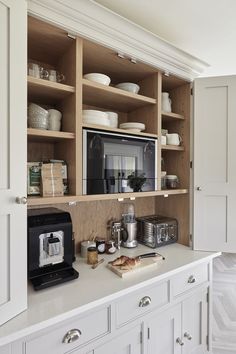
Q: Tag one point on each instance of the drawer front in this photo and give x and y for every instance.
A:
(189, 279)
(136, 304)
(79, 331)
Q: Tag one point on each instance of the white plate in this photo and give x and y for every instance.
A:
(134, 126)
(97, 77)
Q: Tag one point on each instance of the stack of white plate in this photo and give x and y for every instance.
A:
(92, 116)
(134, 126)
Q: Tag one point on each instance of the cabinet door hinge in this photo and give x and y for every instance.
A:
(148, 333)
(191, 164)
(141, 337)
(191, 91)
(207, 340)
(207, 297)
(190, 237)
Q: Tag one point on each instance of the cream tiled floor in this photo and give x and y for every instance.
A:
(224, 304)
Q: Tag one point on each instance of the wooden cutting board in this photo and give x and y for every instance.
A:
(145, 264)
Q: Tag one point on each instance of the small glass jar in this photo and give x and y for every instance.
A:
(92, 255)
(172, 182)
(100, 244)
(110, 247)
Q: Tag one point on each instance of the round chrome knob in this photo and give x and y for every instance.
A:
(179, 341)
(145, 301)
(199, 189)
(191, 279)
(21, 200)
(71, 336)
(188, 335)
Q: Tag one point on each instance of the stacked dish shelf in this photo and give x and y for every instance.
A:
(75, 57)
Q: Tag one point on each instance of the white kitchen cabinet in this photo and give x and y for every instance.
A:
(214, 164)
(182, 329)
(195, 323)
(163, 331)
(13, 233)
(127, 343)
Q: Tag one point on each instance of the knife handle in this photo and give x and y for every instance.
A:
(148, 255)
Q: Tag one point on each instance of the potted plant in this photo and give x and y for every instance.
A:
(136, 182)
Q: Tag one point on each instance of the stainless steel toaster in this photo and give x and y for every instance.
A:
(156, 231)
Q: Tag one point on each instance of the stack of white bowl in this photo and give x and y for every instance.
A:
(108, 119)
(38, 117)
(98, 77)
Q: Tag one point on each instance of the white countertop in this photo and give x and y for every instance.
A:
(95, 287)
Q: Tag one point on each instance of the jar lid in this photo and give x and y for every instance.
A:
(171, 177)
(92, 249)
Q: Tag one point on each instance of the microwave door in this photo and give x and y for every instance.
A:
(128, 166)
(113, 173)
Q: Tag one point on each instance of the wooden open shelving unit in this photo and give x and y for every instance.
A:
(52, 48)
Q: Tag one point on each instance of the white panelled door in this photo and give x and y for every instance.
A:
(13, 232)
(215, 164)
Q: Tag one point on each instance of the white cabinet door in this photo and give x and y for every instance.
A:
(127, 343)
(164, 330)
(215, 164)
(13, 232)
(195, 323)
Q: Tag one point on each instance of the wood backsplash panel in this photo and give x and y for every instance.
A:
(93, 217)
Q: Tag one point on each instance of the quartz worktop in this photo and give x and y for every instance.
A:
(95, 287)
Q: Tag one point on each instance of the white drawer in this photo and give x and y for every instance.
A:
(142, 301)
(189, 279)
(85, 329)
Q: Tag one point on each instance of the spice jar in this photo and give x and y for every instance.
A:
(172, 181)
(92, 255)
(110, 247)
(100, 244)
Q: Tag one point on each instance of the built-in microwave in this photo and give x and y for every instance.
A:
(118, 163)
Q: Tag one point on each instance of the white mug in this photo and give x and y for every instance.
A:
(173, 139)
(54, 120)
(163, 140)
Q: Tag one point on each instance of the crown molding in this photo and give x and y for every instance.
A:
(91, 20)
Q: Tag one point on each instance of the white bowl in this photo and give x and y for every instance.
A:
(94, 113)
(39, 122)
(134, 126)
(129, 86)
(97, 77)
(35, 110)
(113, 117)
(98, 121)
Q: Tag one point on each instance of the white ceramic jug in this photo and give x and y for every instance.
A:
(165, 102)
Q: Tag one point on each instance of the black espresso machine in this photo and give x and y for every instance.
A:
(50, 247)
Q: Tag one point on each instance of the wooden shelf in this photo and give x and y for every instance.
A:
(117, 130)
(33, 201)
(37, 200)
(96, 94)
(48, 135)
(171, 116)
(47, 91)
(172, 147)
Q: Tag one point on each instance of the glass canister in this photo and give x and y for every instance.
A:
(92, 255)
(172, 181)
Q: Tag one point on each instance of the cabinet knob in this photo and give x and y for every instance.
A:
(71, 336)
(199, 189)
(188, 335)
(21, 200)
(145, 301)
(191, 279)
(179, 341)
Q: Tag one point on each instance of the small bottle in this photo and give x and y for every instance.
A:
(92, 255)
